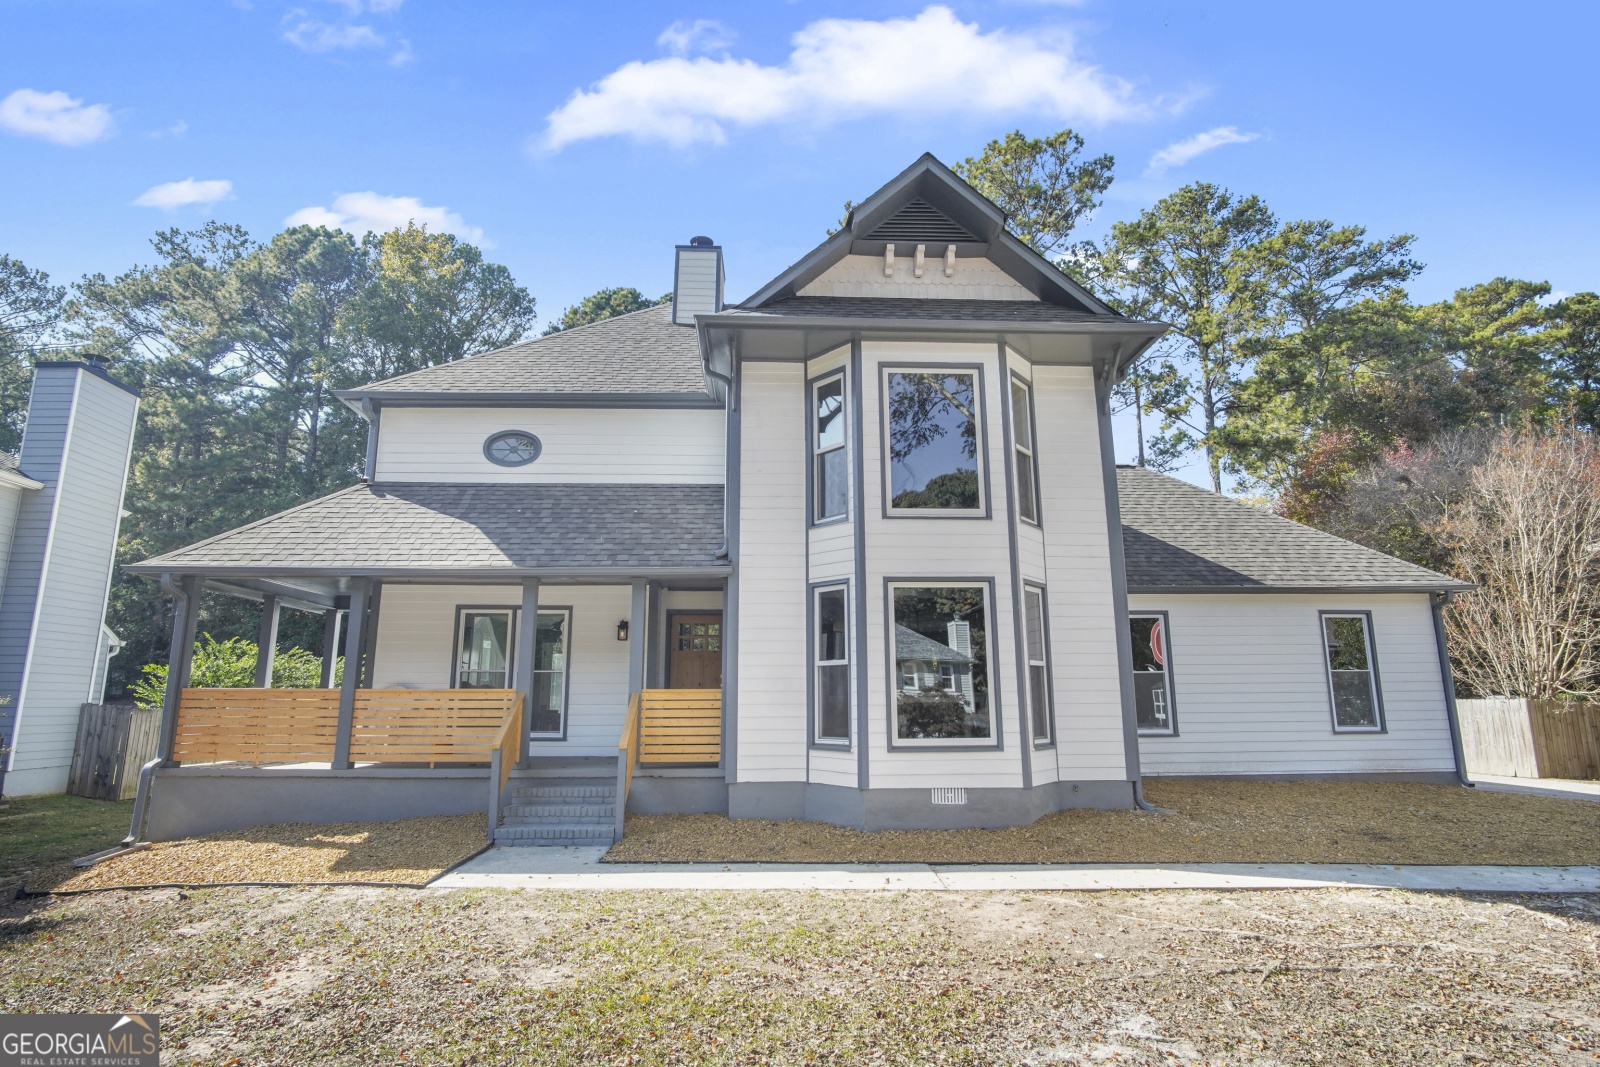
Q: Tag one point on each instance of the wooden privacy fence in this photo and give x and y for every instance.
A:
(680, 726)
(1530, 738)
(114, 742)
(299, 725)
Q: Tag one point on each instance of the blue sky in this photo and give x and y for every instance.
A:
(579, 142)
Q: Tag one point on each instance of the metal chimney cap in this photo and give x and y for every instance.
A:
(701, 242)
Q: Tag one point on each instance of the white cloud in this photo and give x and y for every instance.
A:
(1176, 155)
(402, 55)
(371, 212)
(932, 64)
(312, 35)
(171, 195)
(54, 117)
(701, 35)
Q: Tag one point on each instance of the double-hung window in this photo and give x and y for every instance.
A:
(831, 656)
(1023, 446)
(933, 442)
(1352, 671)
(830, 468)
(1152, 675)
(1038, 667)
(483, 658)
(550, 673)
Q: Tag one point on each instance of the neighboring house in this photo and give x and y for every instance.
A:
(60, 507)
(855, 549)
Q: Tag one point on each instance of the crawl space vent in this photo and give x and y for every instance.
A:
(957, 795)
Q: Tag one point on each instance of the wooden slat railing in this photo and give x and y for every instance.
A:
(256, 725)
(429, 725)
(627, 759)
(680, 726)
(507, 748)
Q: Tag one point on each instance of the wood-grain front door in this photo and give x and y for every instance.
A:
(694, 650)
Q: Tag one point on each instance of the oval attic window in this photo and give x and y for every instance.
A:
(512, 448)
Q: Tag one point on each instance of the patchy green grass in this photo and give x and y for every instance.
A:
(356, 976)
(38, 832)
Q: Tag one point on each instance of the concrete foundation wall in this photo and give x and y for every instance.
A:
(913, 809)
(185, 801)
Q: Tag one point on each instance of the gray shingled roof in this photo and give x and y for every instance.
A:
(391, 527)
(861, 307)
(8, 462)
(910, 645)
(1178, 536)
(641, 353)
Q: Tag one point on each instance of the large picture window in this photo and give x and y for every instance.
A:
(1152, 675)
(1352, 675)
(1038, 667)
(934, 439)
(1023, 447)
(831, 654)
(830, 468)
(941, 652)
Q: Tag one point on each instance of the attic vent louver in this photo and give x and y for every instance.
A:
(920, 221)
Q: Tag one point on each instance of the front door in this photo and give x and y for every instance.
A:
(694, 650)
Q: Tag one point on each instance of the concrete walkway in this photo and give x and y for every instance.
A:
(1567, 788)
(580, 868)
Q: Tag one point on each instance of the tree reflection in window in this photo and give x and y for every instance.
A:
(933, 441)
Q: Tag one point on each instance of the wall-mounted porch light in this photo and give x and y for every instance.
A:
(622, 630)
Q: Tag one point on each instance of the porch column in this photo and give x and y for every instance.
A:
(369, 642)
(522, 662)
(638, 627)
(654, 646)
(267, 641)
(185, 618)
(330, 645)
(355, 640)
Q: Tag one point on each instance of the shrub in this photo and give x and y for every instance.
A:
(231, 664)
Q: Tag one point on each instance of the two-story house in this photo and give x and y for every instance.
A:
(853, 550)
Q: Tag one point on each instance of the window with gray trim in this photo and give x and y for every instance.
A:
(550, 673)
(1035, 647)
(830, 468)
(941, 654)
(1023, 446)
(1152, 675)
(830, 653)
(1352, 677)
(512, 448)
(933, 430)
(483, 656)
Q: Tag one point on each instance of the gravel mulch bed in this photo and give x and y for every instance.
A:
(361, 976)
(408, 852)
(1211, 821)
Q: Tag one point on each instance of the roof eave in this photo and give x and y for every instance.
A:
(177, 567)
(450, 398)
(1340, 589)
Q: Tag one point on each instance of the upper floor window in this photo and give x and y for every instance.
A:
(934, 438)
(830, 470)
(512, 448)
(1352, 672)
(1022, 443)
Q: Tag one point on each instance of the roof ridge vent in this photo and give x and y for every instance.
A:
(918, 220)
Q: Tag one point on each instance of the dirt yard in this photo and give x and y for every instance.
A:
(409, 852)
(355, 976)
(1211, 821)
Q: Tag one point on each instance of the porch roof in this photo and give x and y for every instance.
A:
(422, 529)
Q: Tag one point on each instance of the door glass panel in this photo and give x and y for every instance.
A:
(485, 643)
(550, 673)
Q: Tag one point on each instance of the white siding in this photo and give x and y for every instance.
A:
(975, 279)
(772, 733)
(67, 537)
(416, 636)
(618, 445)
(944, 548)
(1251, 691)
(10, 506)
(1088, 694)
(699, 284)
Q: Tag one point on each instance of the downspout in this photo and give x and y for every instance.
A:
(373, 414)
(1438, 601)
(141, 799)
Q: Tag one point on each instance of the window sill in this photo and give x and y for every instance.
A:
(934, 513)
(1157, 733)
(835, 520)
